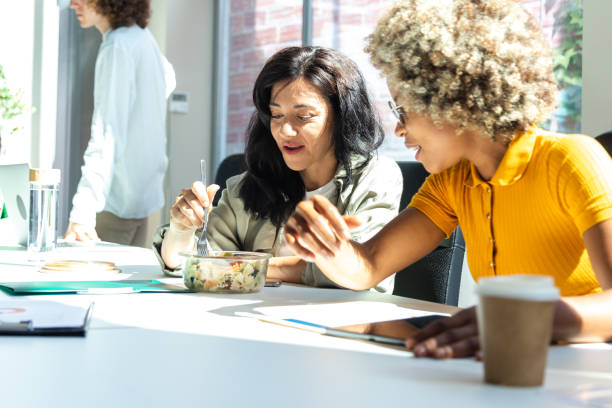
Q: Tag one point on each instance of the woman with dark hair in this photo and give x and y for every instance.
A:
(314, 131)
(125, 162)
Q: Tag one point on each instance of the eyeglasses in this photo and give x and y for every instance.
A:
(399, 113)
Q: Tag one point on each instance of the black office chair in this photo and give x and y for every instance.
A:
(230, 166)
(437, 276)
(606, 141)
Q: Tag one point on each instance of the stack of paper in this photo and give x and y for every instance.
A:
(342, 313)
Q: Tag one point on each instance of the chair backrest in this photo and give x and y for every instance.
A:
(414, 175)
(437, 276)
(606, 141)
(230, 166)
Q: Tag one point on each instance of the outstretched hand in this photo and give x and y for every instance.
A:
(316, 230)
(187, 212)
(454, 336)
(80, 232)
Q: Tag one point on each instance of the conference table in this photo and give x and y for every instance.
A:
(201, 349)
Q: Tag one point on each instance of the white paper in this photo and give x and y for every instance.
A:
(42, 313)
(343, 313)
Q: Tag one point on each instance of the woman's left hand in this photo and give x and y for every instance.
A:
(454, 336)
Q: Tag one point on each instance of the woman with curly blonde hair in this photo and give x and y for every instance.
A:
(125, 162)
(471, 79)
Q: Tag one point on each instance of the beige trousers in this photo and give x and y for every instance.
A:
(135, 232)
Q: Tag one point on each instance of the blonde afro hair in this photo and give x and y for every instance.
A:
(482, 65)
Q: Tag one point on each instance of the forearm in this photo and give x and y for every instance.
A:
(350, 267)
(175, 242)
(584, 318)
(363, 266)
(286, 268)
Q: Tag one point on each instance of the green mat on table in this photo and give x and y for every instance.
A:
(89, 287)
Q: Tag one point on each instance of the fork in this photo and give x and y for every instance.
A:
(202, 246)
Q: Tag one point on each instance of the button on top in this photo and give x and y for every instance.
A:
(488, 216)
(488, 190)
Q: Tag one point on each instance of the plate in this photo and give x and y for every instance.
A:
(80, 266)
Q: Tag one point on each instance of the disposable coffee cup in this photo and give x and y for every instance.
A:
(515, 318)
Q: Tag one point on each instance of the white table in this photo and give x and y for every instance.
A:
(188, 350)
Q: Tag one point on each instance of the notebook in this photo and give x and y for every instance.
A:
(43, 318)
(14, 179)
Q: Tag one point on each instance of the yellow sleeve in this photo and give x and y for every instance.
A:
(434, 200)
(583, 180)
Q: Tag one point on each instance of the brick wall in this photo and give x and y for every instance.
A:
(259, 28)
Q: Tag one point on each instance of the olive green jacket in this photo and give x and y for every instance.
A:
(374, 194)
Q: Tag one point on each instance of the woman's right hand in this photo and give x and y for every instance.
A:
(317, 231)
(187, 212)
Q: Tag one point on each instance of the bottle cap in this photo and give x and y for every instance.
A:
(45, 176)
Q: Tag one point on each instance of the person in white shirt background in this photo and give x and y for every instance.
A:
(125, 161)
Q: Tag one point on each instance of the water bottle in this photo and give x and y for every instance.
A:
(44, 188)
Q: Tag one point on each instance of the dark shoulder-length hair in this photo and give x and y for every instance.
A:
(272, 190)
(124, 13)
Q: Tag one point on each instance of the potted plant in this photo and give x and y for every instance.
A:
(11, 106)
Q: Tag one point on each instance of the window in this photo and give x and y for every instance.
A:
(561, 21)
(17, 61)
(343, 25)
(259, 28)
(32, 28)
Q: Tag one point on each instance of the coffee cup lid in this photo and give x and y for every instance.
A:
(526, 287)
(45, 176)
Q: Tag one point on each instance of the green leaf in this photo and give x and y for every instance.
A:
(10, 102)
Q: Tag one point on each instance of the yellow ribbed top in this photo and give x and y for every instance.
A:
(529, 218)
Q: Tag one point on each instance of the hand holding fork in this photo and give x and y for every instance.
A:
(202, 246)
(190, 209)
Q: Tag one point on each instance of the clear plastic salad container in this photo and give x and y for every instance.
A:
(225, 271)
